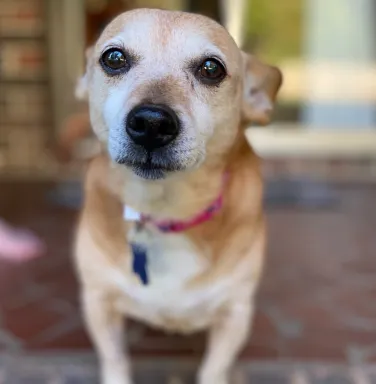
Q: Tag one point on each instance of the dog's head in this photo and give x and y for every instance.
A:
(169, 90)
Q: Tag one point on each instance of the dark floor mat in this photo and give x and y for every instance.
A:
(302, 193)
(67, 195)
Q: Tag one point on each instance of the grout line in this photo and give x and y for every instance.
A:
(66, 325)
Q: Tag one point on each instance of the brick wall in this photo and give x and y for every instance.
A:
(25, 107)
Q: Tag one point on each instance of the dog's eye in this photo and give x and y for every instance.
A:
(211, 71)
(114, 60)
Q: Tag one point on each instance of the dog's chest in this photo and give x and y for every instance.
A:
(172, 261)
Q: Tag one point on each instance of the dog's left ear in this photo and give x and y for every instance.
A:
(261, 85)
(81, 90)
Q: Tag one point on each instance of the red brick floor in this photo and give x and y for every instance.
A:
(317, 300)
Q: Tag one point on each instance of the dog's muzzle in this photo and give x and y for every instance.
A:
(152, 126)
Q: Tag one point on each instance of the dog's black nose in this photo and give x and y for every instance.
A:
(152, 126)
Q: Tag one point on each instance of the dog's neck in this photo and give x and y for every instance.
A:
(176, 197)
(181, 196)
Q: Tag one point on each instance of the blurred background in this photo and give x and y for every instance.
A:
(317, 302)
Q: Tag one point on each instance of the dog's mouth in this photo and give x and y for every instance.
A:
(153, 165)
(151, 169)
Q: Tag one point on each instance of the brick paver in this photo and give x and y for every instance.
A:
(317, 300)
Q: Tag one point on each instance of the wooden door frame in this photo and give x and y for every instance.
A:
(66, 46)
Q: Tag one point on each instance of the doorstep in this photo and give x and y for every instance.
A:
(82, 369)
(286, 140)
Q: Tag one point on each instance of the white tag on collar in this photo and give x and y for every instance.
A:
(130, 214)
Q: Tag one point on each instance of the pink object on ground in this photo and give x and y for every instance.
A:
(18, 245)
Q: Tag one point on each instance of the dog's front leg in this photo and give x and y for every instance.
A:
(106, 327)
(227, 337)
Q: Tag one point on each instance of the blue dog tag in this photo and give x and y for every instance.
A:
(140, 262)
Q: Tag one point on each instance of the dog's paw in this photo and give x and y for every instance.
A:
(115, 375)
(212, 378)
(113, 378)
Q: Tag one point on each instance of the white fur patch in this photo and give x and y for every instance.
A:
(173, 260)
(130, 214)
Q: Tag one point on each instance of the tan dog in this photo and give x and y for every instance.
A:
(170, 95)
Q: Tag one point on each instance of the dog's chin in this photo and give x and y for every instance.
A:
(150, 170)
(159, 164)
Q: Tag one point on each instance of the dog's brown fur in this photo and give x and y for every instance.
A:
(230, 247)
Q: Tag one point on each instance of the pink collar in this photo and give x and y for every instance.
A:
(175, 226)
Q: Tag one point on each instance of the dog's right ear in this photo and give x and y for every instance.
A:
(81, 90)
(261, 85)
